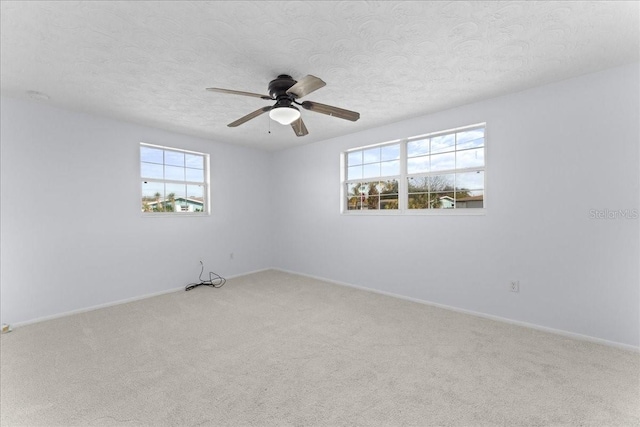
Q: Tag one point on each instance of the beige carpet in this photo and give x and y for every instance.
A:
(275, 349)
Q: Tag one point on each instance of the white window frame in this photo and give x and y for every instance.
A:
(205, 183)
(403, 196)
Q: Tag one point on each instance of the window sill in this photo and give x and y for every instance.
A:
(418, 212)
(175, 215)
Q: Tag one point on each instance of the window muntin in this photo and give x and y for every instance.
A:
(173, 180)
(443, 170)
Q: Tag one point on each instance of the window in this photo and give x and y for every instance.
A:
(443, 170)
(173, 181)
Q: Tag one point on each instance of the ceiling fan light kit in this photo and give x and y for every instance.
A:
(284, 115)
(285, 91)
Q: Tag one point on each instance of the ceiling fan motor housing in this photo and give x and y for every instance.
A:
(278, 87)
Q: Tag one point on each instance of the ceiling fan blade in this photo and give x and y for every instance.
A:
(305, 86)
(238, 92)
(249, 117)
(299, 128)
(330, 111)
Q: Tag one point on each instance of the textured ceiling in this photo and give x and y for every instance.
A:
(150, 62)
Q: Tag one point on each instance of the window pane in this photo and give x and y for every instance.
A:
(417, 185)
(470, 139)
(441, 162)
(353, 189)
(475, 199)
(195, 192)
(354, 158)
(442, 200)
(388, 187)
(173, 158)
(178, 191)
(152, 193)
(194, 161)
(175, 194)
(371, 171)
(388, 201)
(418, 164)
(390, 168)
(388, 191)
(418, 201)
(151, 170)
(441, 182)
(470, 158)
(372, 155)
(152, 190)
(470, 181)
(443, 143)
(354, 172)
(151, 155)
(418, 148)
(195, 199)
(367, 188)
(174, 173)
(353, 203)
(195, 175)
(372, 202)
(390, 152)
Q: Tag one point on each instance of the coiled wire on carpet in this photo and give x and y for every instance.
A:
(215, 280)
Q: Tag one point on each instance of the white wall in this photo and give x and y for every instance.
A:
(553, 154)
(72, 233)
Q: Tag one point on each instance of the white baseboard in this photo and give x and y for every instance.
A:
(336, 282)
(94, 307)
(118, 302)
(561, 332)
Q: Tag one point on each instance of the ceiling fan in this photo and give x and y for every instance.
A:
(286, 91)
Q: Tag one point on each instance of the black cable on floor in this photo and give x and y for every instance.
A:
(215, 280)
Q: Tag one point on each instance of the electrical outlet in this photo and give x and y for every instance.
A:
(514, 286)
